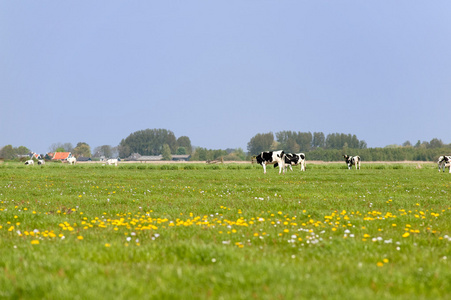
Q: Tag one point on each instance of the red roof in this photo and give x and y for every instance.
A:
(61, 155)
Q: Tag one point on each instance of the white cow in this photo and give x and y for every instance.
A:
(71, 160)
(275, 158)
(112, 161)
(29, 162)
(41, 162)
(352, 160)
(443, 162)
(292, 159)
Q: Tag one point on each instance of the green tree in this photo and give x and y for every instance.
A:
(304, 141)
(362, 144)
(407, 144)
(7, 152)
(22, 150)
(260, 142)
(82, 149)
(319, 140)
(124, 150)
(104, 150)
(436, 143)
(237, 155)
(291, 146)
(203, 154)
(181, 151)
(166, 152)
(185, 142)
(59, 147)
(148, 142)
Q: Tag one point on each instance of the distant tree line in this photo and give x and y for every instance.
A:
(316, 145)
(204, 154)
(296, 142)
(332, 147)
(9, 152)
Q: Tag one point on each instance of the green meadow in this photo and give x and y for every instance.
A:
(197, 231)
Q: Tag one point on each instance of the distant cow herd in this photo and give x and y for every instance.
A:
(285, 160)
(279, 159)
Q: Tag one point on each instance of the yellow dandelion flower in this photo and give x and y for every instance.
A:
(107, 245)
(380, 264)
(406, 234)
(79, 237)
(35, 242)
(385, 260)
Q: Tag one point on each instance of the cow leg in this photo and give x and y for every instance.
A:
(264, 168)
(281, 168)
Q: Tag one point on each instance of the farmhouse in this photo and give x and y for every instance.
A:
(184, 157)
(61, 155)
(139, 157)
(83, 158)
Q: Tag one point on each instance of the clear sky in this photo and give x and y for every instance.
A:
(221, 72)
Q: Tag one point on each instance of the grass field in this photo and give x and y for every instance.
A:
(200, 231)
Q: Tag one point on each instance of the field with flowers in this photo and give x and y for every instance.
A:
(199, 231)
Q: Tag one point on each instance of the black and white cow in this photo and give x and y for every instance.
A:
(71, 160)
(352, 160)
(275, 158)
(443, 162)
(294, 159)
(29, 162)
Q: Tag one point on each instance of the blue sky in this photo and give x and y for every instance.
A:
(220, 72)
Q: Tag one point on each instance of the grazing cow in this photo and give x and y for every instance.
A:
(29, 162)
(41, 162)
(292, 159)
(443, 162)
(112, 161)
(275, 158)
(352, 160)
(71, 160)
